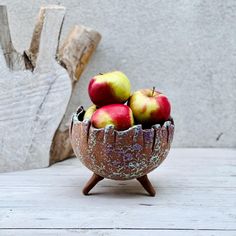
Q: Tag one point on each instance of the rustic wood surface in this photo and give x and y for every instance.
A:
(32, 104)
(116, 232)
(196, 191)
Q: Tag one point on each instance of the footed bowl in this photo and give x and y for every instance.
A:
(120, 155)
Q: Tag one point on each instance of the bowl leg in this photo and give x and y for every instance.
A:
(144, 181)
(91, 183)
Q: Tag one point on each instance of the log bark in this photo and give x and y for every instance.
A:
(74, 55)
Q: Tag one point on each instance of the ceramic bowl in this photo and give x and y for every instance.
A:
(120, 155)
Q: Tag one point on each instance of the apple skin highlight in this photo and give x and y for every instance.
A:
(109, 88)
(118, 115)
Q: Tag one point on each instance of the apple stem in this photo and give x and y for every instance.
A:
(153, 90)
(100, 73)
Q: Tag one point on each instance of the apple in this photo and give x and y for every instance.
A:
(149, 107)
(118, 115)
(88, 114)
(109, 88)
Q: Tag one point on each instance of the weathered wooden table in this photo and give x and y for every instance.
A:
(196, 195)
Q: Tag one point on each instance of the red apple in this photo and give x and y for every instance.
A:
(88, 114)
(149, 106)
(109, 88)
(118, 115)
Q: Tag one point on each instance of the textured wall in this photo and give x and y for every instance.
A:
(185, 48)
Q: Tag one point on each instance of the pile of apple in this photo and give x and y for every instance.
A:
(114, 105)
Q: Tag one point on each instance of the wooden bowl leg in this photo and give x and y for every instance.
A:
(144, 181)
(91, 183)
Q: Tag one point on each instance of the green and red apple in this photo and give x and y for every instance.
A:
(89, 112)
(149, 107)
(118, 115)
(109, 88)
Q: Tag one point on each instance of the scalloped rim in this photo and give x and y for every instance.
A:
(80, 110)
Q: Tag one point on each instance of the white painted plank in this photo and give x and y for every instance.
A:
(161, 178)
(186, 199)
(118, 207)
(118, 195)
(178, 170)
(213, 157)
(95, 216)
(115, 232)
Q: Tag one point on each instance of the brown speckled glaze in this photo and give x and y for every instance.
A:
(120, 155)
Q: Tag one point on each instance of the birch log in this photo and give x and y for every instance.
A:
(32, 104)
(74, 56)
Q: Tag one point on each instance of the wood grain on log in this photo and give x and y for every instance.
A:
(74, 55)
(32, 104)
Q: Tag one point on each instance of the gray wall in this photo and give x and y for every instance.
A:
(186, 48)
